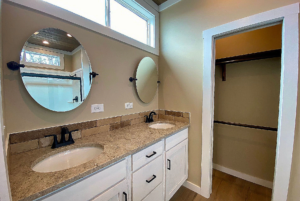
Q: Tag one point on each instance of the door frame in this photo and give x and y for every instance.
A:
(289, 17)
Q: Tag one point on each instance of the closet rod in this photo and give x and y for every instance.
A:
(246, 125)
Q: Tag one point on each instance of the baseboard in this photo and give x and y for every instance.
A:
(244, 176)
(192, 187)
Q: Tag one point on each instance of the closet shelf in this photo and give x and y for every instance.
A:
(247, 57)
(246, 125)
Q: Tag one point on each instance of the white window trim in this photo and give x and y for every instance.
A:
(40, 49)
(69, 16)
(289, 15)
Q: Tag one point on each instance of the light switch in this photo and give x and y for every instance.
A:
(97, 108)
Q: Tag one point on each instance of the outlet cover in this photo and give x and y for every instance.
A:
(97, 108)
(128, 105)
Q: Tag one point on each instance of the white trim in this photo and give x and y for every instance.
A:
(76, 50)
(167, 4)
(244, 176)
(152, 4)
(193, 187)
(289, 15)
(66, 15)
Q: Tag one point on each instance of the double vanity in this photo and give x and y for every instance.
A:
(139, 162)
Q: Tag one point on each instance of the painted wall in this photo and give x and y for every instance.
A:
(259, 40)
(76, 61)
(4, 185)
(114, 61)
(250, 95)
(181, 61)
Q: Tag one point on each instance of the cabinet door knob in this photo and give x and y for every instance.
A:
(153, 177)
(169, 164)
(149, 156)
(125, 196)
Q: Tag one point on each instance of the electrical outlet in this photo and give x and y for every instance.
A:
(128, 105)
(97, 108)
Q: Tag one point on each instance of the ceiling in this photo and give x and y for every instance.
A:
(158, 2)
(57, 39)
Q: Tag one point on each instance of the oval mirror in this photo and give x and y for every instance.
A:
(57, 73)
(146, 83)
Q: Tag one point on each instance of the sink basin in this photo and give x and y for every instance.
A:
(162, 126)
(67, 159)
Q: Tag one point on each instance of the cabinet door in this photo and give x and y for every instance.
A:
(118, 192)
(176, 168)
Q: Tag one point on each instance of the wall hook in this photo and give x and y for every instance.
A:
(131, 79)
(12, 65)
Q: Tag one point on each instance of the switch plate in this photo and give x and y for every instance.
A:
(97, 108)
(128, 105)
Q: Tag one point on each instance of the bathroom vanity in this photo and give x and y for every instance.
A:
(150, 174)
(138, 162)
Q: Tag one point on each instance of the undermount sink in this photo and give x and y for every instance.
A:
(162, 126)
(68, 159)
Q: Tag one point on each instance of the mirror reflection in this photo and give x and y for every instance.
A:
(57, 72)
(147, 77)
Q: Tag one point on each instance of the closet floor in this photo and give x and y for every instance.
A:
(227, 188)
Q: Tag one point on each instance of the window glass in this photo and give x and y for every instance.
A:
(128, 23)
(38, 58)
(91, 9)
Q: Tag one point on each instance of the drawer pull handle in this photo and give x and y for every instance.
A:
(125, 196)
(169, 166)
(149, 156)
(153, 177)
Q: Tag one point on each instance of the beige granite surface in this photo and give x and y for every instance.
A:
(28, 185)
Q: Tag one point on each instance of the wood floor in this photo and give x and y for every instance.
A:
(227, 188)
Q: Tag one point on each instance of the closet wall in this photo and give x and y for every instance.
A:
(250, 95)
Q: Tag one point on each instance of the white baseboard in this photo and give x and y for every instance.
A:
(244, 176)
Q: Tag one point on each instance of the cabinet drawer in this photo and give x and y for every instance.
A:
(147, 178)
(146, 155)
(92, 186)
(176, 139)
(156, 194)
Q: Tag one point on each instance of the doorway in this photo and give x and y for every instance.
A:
(247, 88)
(289, 17)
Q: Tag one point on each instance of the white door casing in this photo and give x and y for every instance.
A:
(289, 17)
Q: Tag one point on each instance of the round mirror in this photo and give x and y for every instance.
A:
(146, 83)
(57, 72)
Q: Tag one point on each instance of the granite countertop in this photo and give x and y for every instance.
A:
(29, 185)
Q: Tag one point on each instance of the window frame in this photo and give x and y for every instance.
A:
(69, 16)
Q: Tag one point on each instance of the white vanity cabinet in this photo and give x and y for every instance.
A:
(118, 192)
(152, 174)
(95, 185)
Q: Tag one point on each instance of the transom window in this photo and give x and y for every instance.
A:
(38, 58)
(124, 16)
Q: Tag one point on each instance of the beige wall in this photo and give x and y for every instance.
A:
(68, 63)
(114, 61)
(250, 95)
(250, 42)
(181, 61)
(76, 61)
